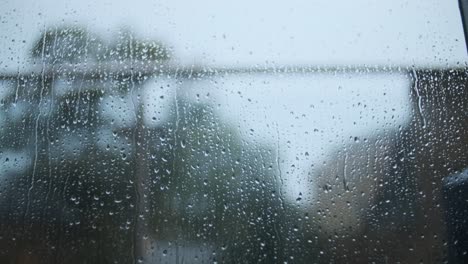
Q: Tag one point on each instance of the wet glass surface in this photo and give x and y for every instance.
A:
(169, 132)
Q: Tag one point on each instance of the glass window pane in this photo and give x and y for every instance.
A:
(214, 132)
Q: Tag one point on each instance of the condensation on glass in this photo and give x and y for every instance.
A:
(209, 132)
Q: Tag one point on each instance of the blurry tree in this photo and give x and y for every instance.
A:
(66, 44)
(77, 45)
(94, 184)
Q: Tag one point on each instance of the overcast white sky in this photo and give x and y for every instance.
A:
(245, 32)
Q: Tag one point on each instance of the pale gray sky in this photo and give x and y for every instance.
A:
(246, 32)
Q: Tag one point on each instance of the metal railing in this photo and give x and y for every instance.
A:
(97, 70)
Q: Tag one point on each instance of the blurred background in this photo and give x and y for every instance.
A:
(246, 132)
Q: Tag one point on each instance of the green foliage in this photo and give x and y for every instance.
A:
(66, 44)
(127, 47)
(74, 44)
